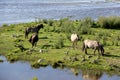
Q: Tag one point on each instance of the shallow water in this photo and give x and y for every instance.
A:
(23, 71)
(16, 11)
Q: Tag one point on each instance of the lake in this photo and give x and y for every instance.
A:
(17, 11)
(23, 71)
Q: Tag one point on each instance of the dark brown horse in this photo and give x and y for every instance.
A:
(33, 30)
(94, 45)
(34, 39)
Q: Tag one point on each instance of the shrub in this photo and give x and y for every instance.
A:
(5, 25)
(45, 21)
(66, 25)
(83, 29)
(50, 22)
(59, 44)
(68, 36)
(112, 22)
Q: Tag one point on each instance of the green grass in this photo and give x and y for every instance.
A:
(55, 55)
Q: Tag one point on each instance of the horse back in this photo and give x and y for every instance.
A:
(91, 43)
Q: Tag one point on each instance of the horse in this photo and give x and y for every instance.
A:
(33, 29)
(94, 45)
(34, 39)
(74, 39)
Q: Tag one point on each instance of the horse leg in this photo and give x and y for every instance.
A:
(26, 34)
(95, 50)
(86, 51)
(76, 44)
(99, 51)
(35, 44)
(73, 45)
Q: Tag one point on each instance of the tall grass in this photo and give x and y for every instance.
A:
(112, 22)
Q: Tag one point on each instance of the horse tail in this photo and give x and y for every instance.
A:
(83, 47)
(103, 50)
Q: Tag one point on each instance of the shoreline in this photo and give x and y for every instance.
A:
(55, 54)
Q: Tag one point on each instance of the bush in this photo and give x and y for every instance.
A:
(50, 22)
(112, 22)
(66, 25)
(59, 44)
(83, 29)
(5, 25)
(45, 21)
(68, 36)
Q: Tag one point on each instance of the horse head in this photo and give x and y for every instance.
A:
(39, 26)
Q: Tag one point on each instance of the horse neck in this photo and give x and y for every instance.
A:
(38, 28)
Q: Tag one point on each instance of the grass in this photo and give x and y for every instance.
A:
(49, 40)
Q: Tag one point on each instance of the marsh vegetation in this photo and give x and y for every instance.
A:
(54, 45)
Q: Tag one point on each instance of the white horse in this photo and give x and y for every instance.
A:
(74, 40)
(94, 45)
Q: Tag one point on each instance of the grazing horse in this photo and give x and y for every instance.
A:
(94, 45)
(33, 29)
(74, 40)
(33, 39)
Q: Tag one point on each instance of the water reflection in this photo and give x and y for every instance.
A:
(23, 71)
(87, 74)
(91, 75)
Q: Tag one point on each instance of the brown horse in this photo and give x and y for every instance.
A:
(34, 39)
(33, 29)
(94, 45)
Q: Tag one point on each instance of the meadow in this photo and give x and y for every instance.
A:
(55, 45)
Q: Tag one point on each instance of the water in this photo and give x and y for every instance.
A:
(23, 71)
(16, 11)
